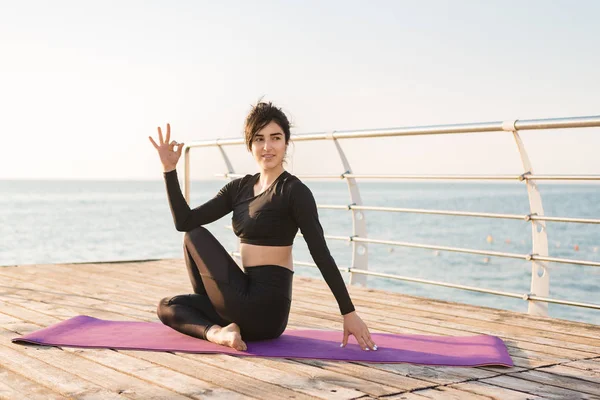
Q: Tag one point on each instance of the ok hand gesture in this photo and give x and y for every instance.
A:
(168, 156)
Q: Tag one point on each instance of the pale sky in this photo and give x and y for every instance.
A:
(83, 83)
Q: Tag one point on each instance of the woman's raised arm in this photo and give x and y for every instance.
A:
(186, 219)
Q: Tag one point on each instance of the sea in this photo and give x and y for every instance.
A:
(65, 221)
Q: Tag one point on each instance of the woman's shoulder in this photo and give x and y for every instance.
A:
(235, 186)
(294, 186)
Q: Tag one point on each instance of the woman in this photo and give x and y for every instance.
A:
(228, 304)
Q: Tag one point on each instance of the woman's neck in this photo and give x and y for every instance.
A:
(268, 176)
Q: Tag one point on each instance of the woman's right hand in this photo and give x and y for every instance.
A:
(168, 156)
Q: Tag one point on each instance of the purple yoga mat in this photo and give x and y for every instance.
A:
(84, 331)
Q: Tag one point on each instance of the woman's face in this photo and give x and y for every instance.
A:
(268, 146)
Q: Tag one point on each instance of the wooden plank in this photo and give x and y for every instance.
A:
(25, 314)
(556, 378)
(367, 372)
(436, 374)
(536, 388)
(450, 393)
(67, 307)
(111, 299)
(168, 378)
(316, 373)
(493, 392)
(568, 371)
(49, 375)
(99, 375)
(406, 396)
(7, 319)
(16, 386)
(245, 366)
(586, 365)
(195, 366)
(54, 298)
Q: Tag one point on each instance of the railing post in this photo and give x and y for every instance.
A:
(186, 173)
(228, 164)
(186, 167)
(360, 253)
(540, 278)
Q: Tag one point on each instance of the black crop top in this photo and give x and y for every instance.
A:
(270, 219)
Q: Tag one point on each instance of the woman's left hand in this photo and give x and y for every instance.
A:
(353, 325)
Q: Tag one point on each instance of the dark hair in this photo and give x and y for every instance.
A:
(261, 115)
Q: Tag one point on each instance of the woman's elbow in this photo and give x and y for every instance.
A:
(182, 227)
(186, 226)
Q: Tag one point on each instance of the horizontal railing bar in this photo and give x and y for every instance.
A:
(331, 176)
(437, 283)
(441, 177)
(475, 289)
(565, 261)
(564, 219)
(437, 177)
(424, 211)
(460, 213)
(563, 177)
(527, 257)
(480, 127)
(558, 123)
(564, 302)
(443, 248)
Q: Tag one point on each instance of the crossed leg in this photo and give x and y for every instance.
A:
(219, 286)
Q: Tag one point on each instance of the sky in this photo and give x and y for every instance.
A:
(84, 83)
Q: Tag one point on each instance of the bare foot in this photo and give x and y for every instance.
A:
(229, 336)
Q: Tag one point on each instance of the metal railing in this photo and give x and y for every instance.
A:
(537, 298)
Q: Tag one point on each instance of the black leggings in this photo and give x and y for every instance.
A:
(258, 299)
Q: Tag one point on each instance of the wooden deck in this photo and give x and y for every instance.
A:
(554, 359)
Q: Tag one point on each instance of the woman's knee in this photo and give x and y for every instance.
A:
(196, 234)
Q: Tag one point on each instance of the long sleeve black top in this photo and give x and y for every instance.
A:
(271, 218)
